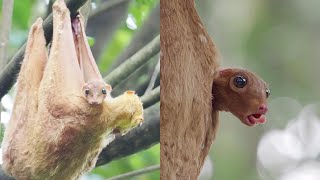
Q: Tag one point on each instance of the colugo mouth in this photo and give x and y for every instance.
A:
(254, 119)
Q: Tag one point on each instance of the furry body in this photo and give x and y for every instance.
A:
(188, 63)
(54, 132)
(189, 115)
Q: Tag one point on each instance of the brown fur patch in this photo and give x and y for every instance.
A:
(188, 64)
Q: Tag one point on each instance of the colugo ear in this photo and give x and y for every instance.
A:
(222, 73)
(108, 88)
(84, 86)
(85, 90)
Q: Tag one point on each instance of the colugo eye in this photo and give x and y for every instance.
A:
(86, 91)
(104, 91)
(268, 92)
(240, 81)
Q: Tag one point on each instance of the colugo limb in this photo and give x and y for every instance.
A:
(63, 114)
(26, 101)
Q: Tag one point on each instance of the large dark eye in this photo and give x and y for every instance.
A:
(104, 91)
(86, 91)
(240, 81)
(268, 92)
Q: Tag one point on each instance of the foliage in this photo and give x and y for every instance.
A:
(138, 11)
(134, 162)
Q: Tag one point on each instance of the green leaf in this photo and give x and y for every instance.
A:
(119, 41)
(140, 9)
(22, 11)
(91, 41)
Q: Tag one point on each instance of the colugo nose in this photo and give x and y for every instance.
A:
(93, 102)
(263, 108)
(95, 95)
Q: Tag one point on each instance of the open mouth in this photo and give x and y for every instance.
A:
(254, 119)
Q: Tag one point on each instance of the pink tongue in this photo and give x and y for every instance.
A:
(257, 118)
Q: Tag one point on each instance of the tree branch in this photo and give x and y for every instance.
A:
(3, 176)
(106, 6)
(148, 31)
(7, 9)
(102, 30)
(151, 97)
(7, 76)
(133, 63)
(153, 77)
(135, 173)
(138, 80)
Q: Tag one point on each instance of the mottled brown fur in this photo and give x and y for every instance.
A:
(26, 103)
(54, 132)
(188, 67)
(188, 63)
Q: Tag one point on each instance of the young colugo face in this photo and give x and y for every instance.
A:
(96, 91)
(242, 93)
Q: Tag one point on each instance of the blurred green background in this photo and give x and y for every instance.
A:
(110, 33)
(279, 40)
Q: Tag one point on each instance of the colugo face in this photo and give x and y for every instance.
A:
(242, 93)
(96, 91)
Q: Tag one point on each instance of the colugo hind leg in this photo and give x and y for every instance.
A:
(26, 98)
